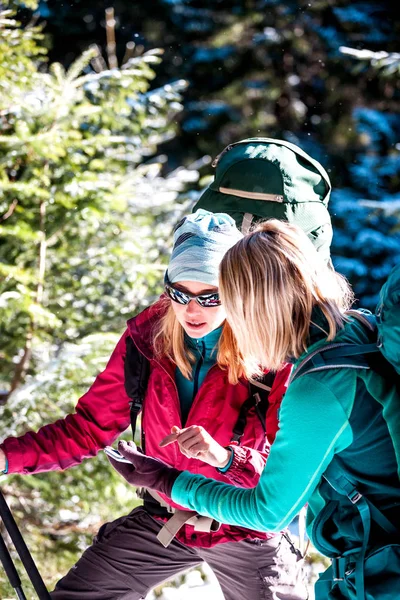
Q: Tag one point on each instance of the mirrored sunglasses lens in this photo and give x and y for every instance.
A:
(176, 295)
(209, 301)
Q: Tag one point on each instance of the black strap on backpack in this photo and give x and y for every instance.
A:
(137, 372)
(259, 400)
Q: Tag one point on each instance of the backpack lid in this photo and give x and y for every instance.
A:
(265, 166)
(271, 178)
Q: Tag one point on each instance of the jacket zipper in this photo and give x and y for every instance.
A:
(214, 366)
(197, 371)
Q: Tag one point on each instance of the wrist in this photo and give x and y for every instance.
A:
(167, 481)
(225, 465)
(225, 457)
(3, 462)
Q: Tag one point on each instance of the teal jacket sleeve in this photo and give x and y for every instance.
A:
(314, 426)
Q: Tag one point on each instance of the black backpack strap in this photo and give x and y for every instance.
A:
(136, 371)
(258, 399)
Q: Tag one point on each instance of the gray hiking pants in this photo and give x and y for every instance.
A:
(126, 561)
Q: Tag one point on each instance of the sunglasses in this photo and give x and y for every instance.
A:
(205, 300)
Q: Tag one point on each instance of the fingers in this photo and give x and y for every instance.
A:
(129, 450)
(189, 433)
(172, 437)
(188, 438)
(196, 449)
(180, 435)
(169, 439)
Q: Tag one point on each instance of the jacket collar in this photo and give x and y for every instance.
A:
(206, 345)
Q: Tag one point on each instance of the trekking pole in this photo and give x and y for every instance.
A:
(10, 570)
(24, 554)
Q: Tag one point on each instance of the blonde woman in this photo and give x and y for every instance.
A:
(191, 391)
(334, 448)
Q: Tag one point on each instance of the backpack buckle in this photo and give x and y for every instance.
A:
(236, 437)
(354, 496)
(136, 405)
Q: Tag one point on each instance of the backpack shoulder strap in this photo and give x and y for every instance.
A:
(334, 356)
(349, 355)
(343, 354)
(137, 372)
(364, 317)
(259, 391)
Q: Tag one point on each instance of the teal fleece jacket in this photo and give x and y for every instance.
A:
(322, 414)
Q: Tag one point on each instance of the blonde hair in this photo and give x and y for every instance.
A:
(169, 342)
(270, 281)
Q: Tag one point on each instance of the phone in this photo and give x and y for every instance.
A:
(116, 455)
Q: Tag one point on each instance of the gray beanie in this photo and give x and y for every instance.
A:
(200, 242)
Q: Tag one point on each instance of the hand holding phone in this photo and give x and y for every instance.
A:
(116, 455)
(143, 471)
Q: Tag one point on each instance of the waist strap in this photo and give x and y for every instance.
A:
(178, 519)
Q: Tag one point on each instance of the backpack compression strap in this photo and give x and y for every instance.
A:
(334, 356)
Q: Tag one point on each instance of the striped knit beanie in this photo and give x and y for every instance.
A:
(200, 242)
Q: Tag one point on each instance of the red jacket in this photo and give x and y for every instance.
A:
(102, 414)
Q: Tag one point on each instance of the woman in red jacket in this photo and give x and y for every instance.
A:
(190, 348)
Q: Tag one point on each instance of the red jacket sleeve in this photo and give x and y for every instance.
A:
(246, 467)
(248, 463)
(100, 416)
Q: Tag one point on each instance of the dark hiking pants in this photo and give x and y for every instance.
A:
(126, 561)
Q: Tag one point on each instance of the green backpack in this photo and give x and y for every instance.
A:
(376, 575)
(261, 178)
